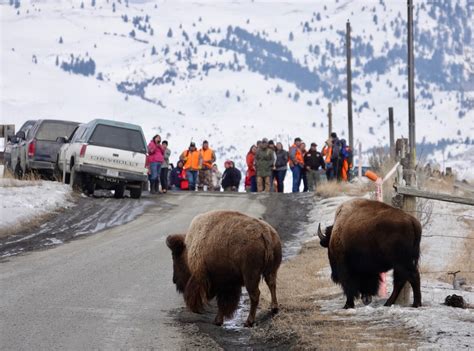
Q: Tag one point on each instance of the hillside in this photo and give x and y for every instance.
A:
(234, 72)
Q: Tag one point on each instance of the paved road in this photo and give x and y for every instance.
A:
(109, 291)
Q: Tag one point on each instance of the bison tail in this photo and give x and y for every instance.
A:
(195, 294)
(417, 229)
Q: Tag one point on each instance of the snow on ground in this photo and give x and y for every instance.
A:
(445, 246)
(25, 201)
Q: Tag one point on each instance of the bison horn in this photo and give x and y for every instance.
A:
(320, 233)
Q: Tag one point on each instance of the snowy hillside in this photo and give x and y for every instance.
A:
(234, 72)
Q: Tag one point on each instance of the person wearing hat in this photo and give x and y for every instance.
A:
(207, 157)
(191, 162)
(313, 160)
(281, 166)
(155, 159)
(264, 163)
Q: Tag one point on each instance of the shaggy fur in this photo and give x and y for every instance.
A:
(368, 238)
(221, 252)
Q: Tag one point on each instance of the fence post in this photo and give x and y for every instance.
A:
(360, 160)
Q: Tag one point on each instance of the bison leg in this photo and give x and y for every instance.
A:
(227, 302)
(414, 280)
(399, 280)
(270, 279)
(254, 294)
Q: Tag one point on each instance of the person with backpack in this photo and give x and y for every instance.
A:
(281, 166)
(207, 157)
(178, 178)
(313, 160)
(336, 156)
(191, 162)
(347, 159)
(296, 164)
(264, 162)
(155, 159)
(165, 166)
(231, 177)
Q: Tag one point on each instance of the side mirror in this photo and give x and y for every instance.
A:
(20, 135)
(62, 140)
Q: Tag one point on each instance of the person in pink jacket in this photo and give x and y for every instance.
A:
(155, 159)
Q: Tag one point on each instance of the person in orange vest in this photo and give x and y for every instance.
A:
(347, 158)
(191, 160)
(207, 157)
(327, 153)
(296, 164)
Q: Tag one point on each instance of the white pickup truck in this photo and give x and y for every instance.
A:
(104, 154)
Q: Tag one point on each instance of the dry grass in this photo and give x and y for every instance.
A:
(26, 224)
(13, 183)
(332, 189)
(300, 286)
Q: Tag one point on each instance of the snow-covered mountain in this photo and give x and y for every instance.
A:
(233, 72)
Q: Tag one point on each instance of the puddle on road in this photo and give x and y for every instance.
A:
(88, 216)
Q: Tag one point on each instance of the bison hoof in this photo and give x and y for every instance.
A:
(275, 310)
(248, 324)
(218, 322)
(366, 299)
(348, 306)
(416, 304)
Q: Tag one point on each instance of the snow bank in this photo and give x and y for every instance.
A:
(25, 201)
(445, 247)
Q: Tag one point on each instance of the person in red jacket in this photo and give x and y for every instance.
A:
(251, 171)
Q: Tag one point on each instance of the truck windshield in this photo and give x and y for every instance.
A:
(118, 138)
(50, 130)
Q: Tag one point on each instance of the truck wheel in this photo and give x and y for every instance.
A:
(76, 179)
(119, 191)
(136, 193)
(89, 187)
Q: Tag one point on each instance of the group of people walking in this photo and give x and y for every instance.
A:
(267, 165)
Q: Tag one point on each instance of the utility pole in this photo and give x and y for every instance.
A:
(329, 119)
(411, 87)
(408, 163)
(349, 83)
(392, 133)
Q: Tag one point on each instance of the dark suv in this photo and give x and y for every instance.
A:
(36, 148)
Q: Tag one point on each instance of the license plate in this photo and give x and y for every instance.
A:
(112, 173)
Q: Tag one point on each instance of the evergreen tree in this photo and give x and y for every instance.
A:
(132, 33)
(170, 33)
(92, 3)
(113, 7)
(57, 61)
(153, 50)
(291, 36)
(82, 5)
(227, 94)
(60, 40)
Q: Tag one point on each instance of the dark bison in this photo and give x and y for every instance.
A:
(221, 252)
(368, 238)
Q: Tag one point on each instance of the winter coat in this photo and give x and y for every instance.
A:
(281, 163)
(314, 160)
(166, 158)
(216, 177)
(264, 161)
(155, 152)
(175, 177)
(296, 156)
(231, 178)
(251, 171)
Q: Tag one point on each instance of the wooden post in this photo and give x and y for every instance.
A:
(392, 132)
(329, 120)
(349, 83)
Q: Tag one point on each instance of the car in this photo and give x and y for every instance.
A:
(36, 147)
(11, 142)
(105, 154)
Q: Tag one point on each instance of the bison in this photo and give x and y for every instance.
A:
(221, 252)
(368, 238)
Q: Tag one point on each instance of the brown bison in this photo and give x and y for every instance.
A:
(221, 252)
(368, 238)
